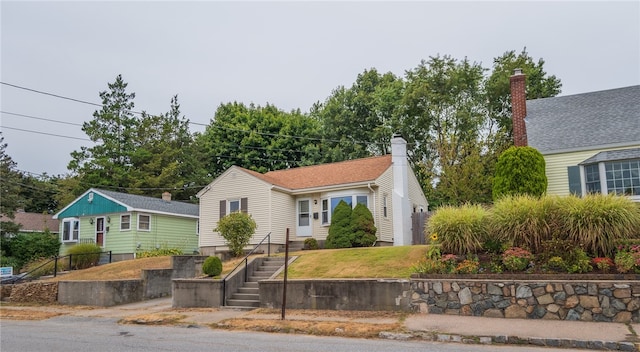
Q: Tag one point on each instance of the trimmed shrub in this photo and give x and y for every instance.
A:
(461, 230)
(362, 227)
(311, 243)
(340, 230)
(599, 222)
(520, 170)
(237, 229)
(524, 221)
(84, 255)
(212, 266)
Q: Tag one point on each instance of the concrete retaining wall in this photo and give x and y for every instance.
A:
(156, 283)
(206, 292)
(603, 301)
(100, 293)
(338, 294)
(197, 293)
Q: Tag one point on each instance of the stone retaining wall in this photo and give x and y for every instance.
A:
(603, 301)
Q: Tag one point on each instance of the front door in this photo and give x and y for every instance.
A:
(100, 232)
(304, 218)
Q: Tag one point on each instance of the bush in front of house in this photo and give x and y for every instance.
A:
(340, 230)
(212, 266)
(362, 227)
(237, 229)
(599, 222)
(520, 170)
(461, 230)
(84, 255)
(311, 243)
(524, 220)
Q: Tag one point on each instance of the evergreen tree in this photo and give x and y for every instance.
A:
(363, 227)
(520, 171)
(340, 230)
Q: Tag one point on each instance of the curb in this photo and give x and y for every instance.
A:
(515, 340)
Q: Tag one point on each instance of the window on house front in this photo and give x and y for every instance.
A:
(234, 206)
(125, 222)
(70, 230)
(329, 204)
(144, 222)
(592, 178)
(620, 177)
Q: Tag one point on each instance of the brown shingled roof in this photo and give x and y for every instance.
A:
(344, 172)
(33, 222)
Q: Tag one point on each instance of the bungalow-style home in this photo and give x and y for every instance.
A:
(302, 199)
(125, 223)
(590, 141)
(32, 222)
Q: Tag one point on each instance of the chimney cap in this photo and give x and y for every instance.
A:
(517, 71)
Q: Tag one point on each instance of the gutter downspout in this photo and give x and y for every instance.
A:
(375, 210)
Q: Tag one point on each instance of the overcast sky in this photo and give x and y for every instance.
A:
(290, 54)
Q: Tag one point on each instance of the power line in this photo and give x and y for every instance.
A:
(48, 134)
(41, 118)
(317, 139)
(51, 94)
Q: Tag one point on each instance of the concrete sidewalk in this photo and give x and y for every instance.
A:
(552, 333)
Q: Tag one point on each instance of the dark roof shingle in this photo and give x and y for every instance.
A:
(584, 121)
(152, 204)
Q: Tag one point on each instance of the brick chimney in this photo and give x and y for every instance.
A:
(166, 196)
(519, 107)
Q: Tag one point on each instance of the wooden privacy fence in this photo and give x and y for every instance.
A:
(418, 222)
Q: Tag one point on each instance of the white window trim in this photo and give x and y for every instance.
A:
(229, 201)
(121, 216)
(354, 202)
(138, 225)
(602, 172)
(71, 221)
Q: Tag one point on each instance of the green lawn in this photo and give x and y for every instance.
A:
(371, 262)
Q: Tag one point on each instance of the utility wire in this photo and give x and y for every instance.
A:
(48, 134)
(50, 94)
(41, 118)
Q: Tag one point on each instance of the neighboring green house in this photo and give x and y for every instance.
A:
(590, 141)
(125, 223)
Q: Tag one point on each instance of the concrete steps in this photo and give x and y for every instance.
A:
(248, 296)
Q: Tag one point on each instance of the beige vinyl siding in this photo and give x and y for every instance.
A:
(385, 225)
(283, 216)
(234, 184)
(557, 164)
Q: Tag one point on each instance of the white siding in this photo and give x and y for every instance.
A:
(557, 164)
(385, 187)
(283, 216)
(234, 184)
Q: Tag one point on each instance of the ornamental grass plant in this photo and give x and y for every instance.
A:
(461, 230)
(599, 222)
(524, 221)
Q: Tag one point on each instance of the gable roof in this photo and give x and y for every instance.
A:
(134, 202)
(585, 121)
(33, 222)
(325, 175)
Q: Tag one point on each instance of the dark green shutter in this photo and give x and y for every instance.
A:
(575, 186)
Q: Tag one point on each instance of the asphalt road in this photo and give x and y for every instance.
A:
(68, 334)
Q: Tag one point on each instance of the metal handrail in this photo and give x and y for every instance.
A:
(55, 265)
(246, 263)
